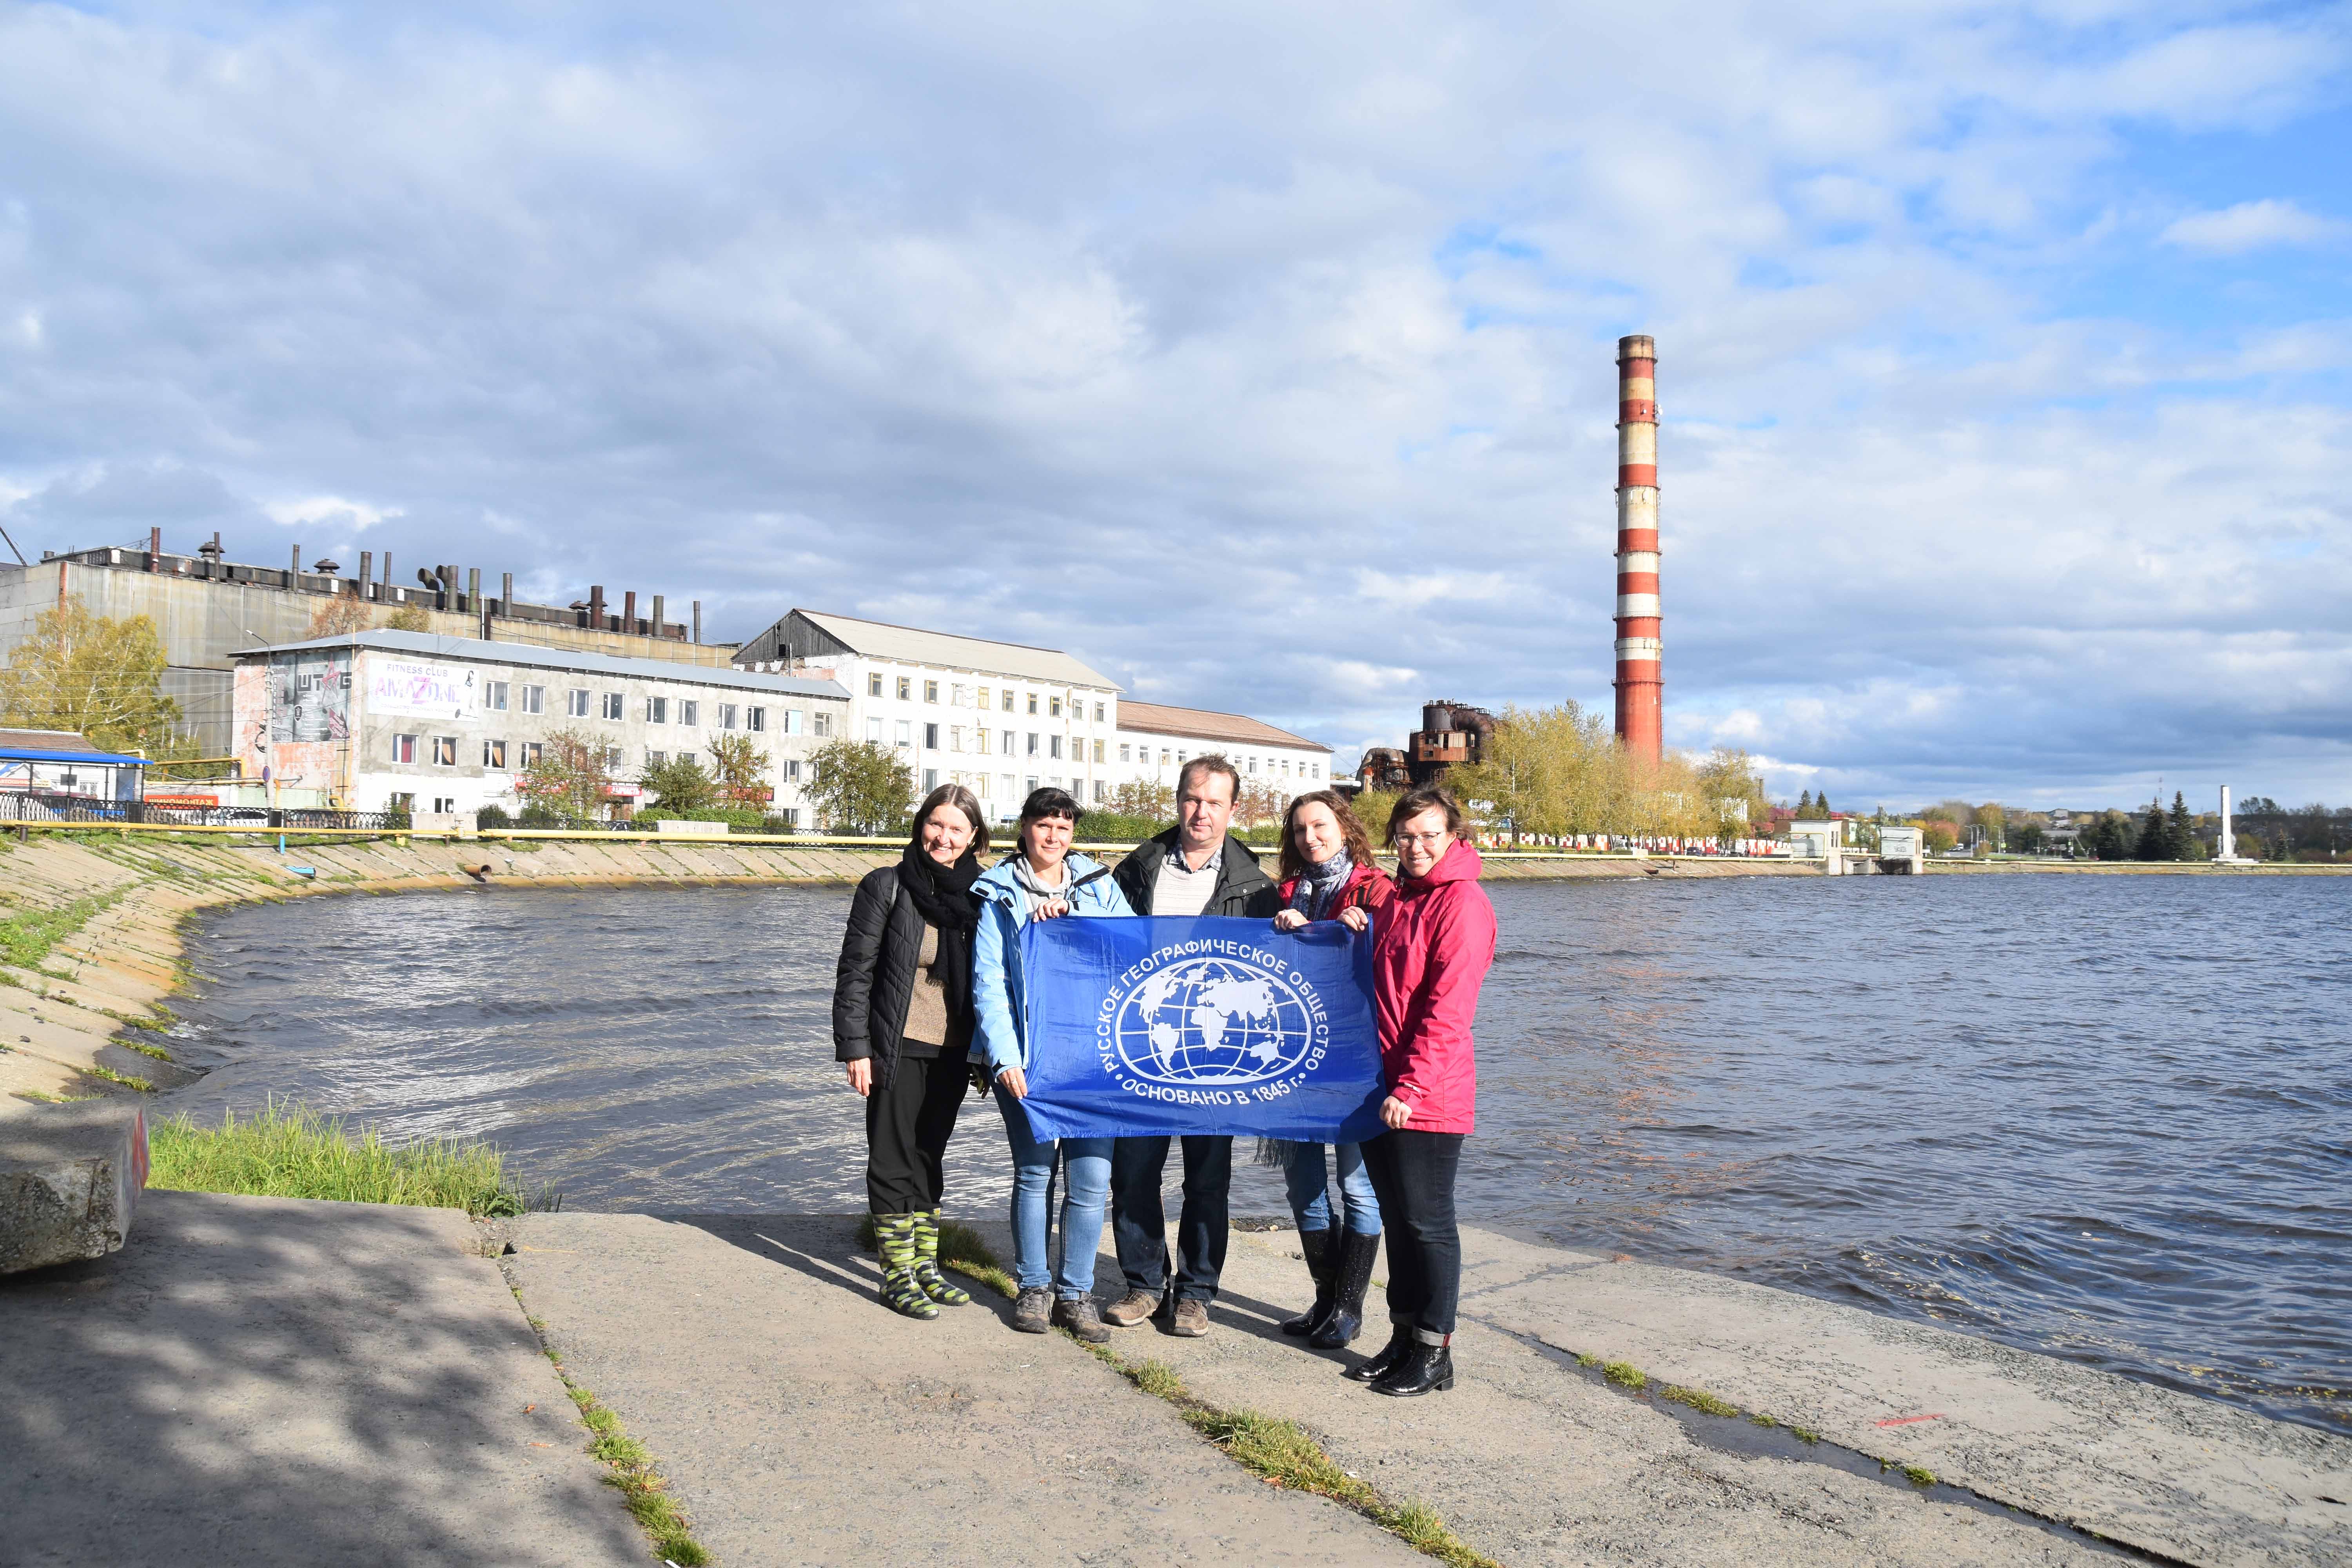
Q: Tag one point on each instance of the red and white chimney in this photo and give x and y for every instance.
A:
(1641, 684)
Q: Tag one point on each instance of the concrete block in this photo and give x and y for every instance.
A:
(460, 823)
(69, 1178)
(693, 830)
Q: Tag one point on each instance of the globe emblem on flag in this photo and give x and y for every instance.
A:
(1214, 1021)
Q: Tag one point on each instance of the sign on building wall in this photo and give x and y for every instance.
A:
(310, 696)
(426, 690)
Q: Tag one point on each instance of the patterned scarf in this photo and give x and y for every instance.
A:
(1317, 885)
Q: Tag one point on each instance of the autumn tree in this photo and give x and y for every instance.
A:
(342, 616)
(740, 770)
(1142, 798)
(861, 786)
(409, 618)
(102, 678)
(572, 775)
(680, 785)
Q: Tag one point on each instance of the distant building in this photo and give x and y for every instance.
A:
(407, 721)
(1451, 735)
(44, 768)
(206, 608)
(1156, 740)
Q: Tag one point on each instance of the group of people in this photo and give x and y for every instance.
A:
(929, 1001)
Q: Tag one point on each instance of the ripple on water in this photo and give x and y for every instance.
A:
(2106, 1118)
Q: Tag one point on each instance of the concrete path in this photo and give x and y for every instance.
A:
(800, 1423)
(266, 1381)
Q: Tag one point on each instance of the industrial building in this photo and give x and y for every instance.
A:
(206, 608)
(390, 721)
(1451, 735)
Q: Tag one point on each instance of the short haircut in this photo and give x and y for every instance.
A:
(1353, 837)
(1050, 802)
(1427, 797)
(964, 800)
(1189, 777)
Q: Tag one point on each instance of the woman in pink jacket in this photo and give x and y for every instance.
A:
(1432, 943)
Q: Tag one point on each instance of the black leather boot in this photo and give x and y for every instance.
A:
(1317, 1246)
(1399, 1341)
(1354, 1271)
(1422, 1368)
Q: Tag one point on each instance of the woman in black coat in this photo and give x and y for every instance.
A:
(901, 1024)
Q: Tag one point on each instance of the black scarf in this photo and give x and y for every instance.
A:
(942, 896)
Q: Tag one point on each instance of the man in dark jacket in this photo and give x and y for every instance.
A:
(1196, 867)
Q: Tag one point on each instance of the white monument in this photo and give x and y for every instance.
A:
(2225, 848)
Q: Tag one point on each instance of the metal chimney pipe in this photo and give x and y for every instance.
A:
(474, 587)
(505, 594)
(658, 601)
(295, 570)
(154, 550)
(629, 612)
(698, 620)
(367, 574)
(1641, 680)
(596, 606)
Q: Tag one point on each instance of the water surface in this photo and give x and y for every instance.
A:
(2107, 1118)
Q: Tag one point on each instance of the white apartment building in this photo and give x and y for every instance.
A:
(390, 720)
(1001, 718)
(1155, 741)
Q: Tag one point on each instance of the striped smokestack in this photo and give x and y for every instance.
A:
(1640, 683)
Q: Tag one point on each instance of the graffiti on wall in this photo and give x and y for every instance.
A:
(310, 696)
(428, 691)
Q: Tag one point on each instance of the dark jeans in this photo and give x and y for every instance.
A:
(907, 1126)
(1413, 1172)
(1141, 1226)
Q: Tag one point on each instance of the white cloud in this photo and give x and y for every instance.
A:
(2252, 226)
(336, 511)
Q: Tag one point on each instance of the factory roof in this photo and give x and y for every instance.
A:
(1201, 724)
(525, 655)
(950, 650)
(59, 746)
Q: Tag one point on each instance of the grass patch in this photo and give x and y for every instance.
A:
(1625, 1374)
(285, 1151)
(629, 1468)
(38, 1098)
(124, 1078)
(26, 936)
(1698, 1399)
(1919, 1475)
(158, 1052)
(1282, 1452)
(1804, 1435)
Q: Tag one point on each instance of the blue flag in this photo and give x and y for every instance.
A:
(1209, 1025)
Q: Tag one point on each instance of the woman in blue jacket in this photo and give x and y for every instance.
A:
(1043, 882)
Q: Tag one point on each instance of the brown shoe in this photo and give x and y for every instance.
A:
(1191, 1319)
(1131, 1310)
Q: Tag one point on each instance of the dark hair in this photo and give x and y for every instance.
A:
(1414, 802)
(1188, 776)
(1050, 802)
(1353, 837)
(964, 800)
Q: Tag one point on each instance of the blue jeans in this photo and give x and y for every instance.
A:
(1085, 1183)
(1309, 1179)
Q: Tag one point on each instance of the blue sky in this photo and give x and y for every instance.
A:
(1262, 355)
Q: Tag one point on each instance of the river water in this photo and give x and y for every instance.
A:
(2108, 1118)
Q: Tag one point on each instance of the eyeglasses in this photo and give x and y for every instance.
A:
(1426, 840)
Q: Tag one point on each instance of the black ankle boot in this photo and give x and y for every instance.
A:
(1422, 1368)
(1354, 1272)
(1399, 1341)
(1317, 1246)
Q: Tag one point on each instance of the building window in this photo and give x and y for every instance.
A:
(906, 733)
(1054, 747)
(984, 707)
(931, 691)
(905, 689)
(955, 737)
(655, 759)
(820, 724)
(1005, 704)
(872, 686)
(1099, 799)
(656, 710)
(530, 750)
(1032, 784)
(444, 804)
(1032, 702)
(404, 749)
(576, 704)
(873, 731)
(494, 755)
(930, 737)
(534, 698)
(1123, 753)
(727, 713)
(690, 712)
(792, 770)
(444, 751)
(1032, 742)
(756, 720)
(931, 780)
(612, 759)
(1315, 769)
(688, 760)
(1005, 741)
(1253, 764)
(791, 816)
(956, 697)
(494, 695)
(615, 706)
(1099, 711)
(1055, 706)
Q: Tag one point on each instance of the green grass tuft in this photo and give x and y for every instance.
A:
(27, 937)
(1586, 1358)
(39, 1098)
(630, 1470)
(1698, 1399)
(1804, 1435)
(1159, 1379)
(158, 1052)
(285, 1151)
(1919, 1475)
(1625, 1374)
(124, 1078)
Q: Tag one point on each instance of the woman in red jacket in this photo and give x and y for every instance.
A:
(1431, 946)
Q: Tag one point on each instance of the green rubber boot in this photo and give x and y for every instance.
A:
(902, 1290)
(927, 1263)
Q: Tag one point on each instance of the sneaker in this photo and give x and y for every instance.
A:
(1032, 1311)
(1191, 1319)
(1131, 1311)
(1079, 1315)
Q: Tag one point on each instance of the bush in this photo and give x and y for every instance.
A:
(539, 814)
(492, 816)
(1118, 828)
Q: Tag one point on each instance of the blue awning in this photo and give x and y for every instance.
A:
(96, 759)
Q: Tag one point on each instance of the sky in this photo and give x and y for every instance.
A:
(1261, 354)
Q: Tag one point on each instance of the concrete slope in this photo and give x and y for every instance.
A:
(800, 1422)
(267, 1381)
